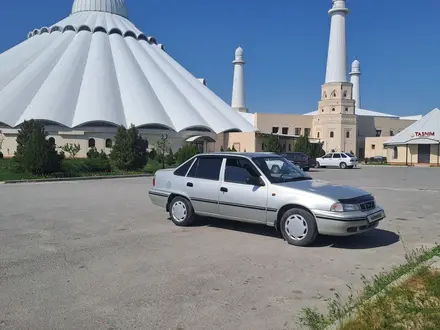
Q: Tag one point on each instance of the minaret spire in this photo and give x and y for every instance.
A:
(337, 49)
(356, 81)
(238, 89)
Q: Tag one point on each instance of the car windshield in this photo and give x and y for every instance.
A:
(280, 170)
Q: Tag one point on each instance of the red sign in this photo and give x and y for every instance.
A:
(424, 134)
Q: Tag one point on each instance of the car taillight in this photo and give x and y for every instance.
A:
(154, 181)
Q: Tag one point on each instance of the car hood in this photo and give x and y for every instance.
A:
(326, 189)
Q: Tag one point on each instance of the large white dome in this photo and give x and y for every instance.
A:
(110, 6)
(95, 66)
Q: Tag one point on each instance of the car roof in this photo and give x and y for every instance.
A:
(240, 154)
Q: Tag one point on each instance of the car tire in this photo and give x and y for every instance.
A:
(343, 165)
(298, 227)
(181, 212)
(306, 169)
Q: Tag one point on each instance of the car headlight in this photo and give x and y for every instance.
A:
(339, 207)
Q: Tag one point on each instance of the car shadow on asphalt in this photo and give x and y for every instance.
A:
(373, 239)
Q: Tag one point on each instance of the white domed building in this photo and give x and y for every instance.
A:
(94, 71)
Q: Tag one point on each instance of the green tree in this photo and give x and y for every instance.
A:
(71, 149)
(186, 152)
(152, 154)
(130, 149)
(316, 150)
(163, 145)
(302, 144)
(170, 158)
(273, 144)
(35, 153)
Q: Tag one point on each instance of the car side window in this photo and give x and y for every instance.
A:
(207, 168)
(336, 155)
(343, 156)
(239, 171)
(183, 169)
(328, 156)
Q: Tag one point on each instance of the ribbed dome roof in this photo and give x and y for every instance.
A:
(97, 67)
(116, 7)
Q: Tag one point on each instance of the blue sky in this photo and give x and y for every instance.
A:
(285, 44)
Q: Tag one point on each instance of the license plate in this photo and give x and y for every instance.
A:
(376, 216)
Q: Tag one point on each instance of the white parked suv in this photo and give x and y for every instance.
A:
(337, 159)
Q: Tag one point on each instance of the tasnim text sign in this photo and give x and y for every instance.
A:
(424, 134)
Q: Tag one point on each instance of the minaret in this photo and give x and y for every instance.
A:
(337, 48)
(356, 81)
(336, 123)
(238, 90)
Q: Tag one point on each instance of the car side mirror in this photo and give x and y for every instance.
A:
(255, 181)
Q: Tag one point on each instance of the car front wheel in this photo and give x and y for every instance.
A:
(343, 165)
(181, 211)
(298, 227)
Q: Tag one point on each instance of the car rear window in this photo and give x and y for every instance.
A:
(207, 168)
(183, 169)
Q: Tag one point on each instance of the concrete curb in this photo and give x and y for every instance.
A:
(84, 178)
(434, 262)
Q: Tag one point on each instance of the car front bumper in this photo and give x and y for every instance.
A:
(348, 223)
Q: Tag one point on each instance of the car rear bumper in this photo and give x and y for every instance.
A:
(159, 198)
(348, 223)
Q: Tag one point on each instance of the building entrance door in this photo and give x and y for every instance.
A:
(424, 153)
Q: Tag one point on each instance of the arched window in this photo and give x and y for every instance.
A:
(333, 109)
(322, 110)
(395, 153)
(317, 135)
(325, 95)
(333, 95)
(109, 143)
(346, 109)
(332, 134)
(92, 143)
(347, 134)
(345, 94)
(52, 141)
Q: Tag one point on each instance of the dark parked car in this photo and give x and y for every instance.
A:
(300, 159)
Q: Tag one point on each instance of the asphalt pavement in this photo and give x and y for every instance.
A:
(99, 255)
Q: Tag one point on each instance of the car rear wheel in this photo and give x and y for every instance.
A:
(181, 211)
(298, 227)
(343, 165)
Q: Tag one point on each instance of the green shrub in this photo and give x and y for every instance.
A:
(94, 165)
(35, 154)
(92, 153)
(130, 150)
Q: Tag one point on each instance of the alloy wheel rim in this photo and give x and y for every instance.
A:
(179, 211)
(296, 227)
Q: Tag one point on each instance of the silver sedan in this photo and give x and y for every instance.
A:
(267, 189)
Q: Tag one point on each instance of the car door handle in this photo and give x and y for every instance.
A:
(223, 189)
(189, 184)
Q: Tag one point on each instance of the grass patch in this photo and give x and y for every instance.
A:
(414, 305)
(312, 319)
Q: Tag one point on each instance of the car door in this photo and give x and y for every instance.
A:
(326, 160)
(336, 159)
(239, 199)
(203, 184)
